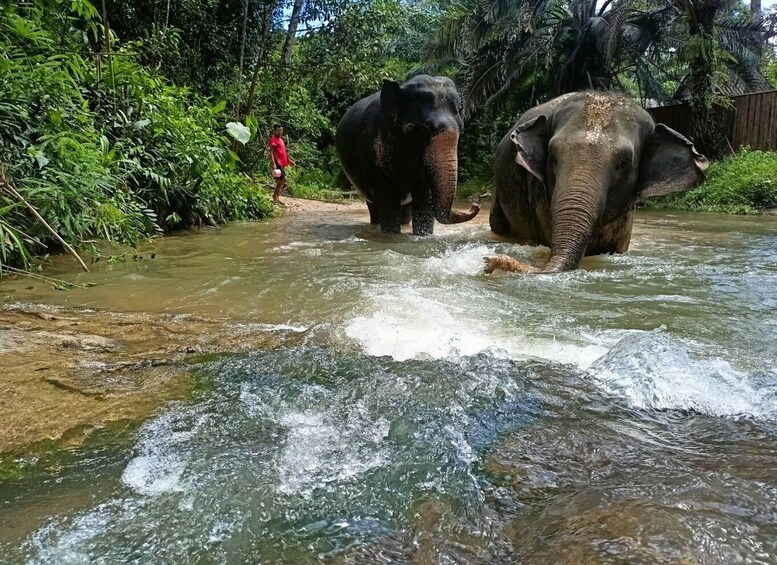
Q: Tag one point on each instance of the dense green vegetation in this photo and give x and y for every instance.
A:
(122, 119)
(745, 183)
(106, 149)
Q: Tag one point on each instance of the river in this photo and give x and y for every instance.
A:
(428, 413)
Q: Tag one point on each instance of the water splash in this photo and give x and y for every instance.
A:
(415, 323)
(654, 371)
(301, 444)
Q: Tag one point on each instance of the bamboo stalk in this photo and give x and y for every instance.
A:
(6, 184)
(38, 277)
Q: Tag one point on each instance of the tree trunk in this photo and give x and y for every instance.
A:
(243, 36)
(755, 9)
(261, 54)
(107, 33)
(239, 95)
(707, 131)
(269, 7)
(490, 127)
(291, 35)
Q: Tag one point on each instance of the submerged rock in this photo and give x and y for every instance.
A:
(65, 370)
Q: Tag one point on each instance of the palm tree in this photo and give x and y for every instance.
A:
(561, 45)
(721, 44)
(550, 47)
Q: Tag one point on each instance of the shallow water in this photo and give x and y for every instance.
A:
(624, 412)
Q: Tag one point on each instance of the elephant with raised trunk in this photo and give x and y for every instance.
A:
(399, 149)
(569, 173)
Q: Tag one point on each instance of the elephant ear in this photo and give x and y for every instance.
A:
(389, 99)
(670, 163)
(531, 144)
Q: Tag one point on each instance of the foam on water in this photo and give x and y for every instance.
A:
(294, 245)
(410, 323)
(318, 453)
(155, 470)
(153, 475)
(653, 371)
(650, 370)
(297, 443)
(462, 260)
(273, 327)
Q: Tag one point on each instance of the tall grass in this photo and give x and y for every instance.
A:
(745, 183)
(122, 159)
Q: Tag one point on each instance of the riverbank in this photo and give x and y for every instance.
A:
(290, 205)
(73, 369)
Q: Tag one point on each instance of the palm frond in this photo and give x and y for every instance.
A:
(576, 44)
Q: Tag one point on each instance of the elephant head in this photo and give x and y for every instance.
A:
(423, 119)
(596, 155)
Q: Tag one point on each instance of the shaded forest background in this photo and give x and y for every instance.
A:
(122, 119)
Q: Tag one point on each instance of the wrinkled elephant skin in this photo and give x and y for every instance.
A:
(399, 149)
(568, 175)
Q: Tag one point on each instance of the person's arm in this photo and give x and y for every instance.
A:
(273, 166)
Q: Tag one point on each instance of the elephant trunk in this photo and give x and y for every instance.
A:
(576, 208)
(441, 160)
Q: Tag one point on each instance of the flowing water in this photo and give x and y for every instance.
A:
(621, 413)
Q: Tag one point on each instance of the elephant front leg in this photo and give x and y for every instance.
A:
(390, 218)
(387, 204)
(405, 213)
(497, 219)
(390, 221)
(613, 237)
(374, 214)
(423, 214)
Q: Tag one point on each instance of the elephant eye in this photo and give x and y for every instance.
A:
(622, 165)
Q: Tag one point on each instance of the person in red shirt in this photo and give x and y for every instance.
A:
(279, 160)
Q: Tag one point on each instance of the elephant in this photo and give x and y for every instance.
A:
(568, 175)
(398, 147)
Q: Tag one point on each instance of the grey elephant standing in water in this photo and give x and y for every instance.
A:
(570, 171)
(399, 149)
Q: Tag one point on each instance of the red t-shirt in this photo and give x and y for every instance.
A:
(278, 148)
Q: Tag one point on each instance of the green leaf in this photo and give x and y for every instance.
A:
(252, 124)
(41, 159)
(239, 132)
(140, 124)
(173, 218)
(231, 160)
(218, 108)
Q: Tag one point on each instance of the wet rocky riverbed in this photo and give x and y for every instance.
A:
(309, 390)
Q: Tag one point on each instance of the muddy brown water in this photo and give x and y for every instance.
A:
(376, 399)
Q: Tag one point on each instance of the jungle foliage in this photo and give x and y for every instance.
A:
(511, 52)
(103, 147)
(745, 183)
(122, 119)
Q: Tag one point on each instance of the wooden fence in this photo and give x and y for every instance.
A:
(752, 120)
